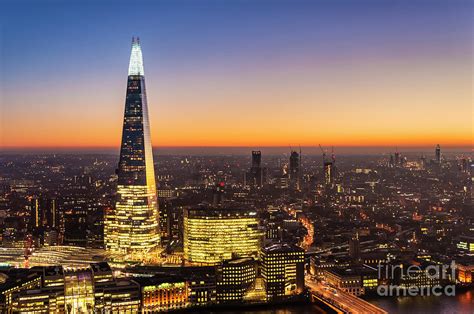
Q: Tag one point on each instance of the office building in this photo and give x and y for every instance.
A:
(234, 278)
(328, 172)
(213, 235)
(131, 228)
(256, 176)
(282, 270)
(346, 279)
(55, 289)
(295, 170)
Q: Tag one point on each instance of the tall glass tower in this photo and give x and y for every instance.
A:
(131, 228)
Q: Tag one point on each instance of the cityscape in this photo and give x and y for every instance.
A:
(328, 224)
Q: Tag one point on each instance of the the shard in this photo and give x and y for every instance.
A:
(131, 228)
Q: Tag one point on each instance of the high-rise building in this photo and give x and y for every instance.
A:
(295, 170)
(256, 175)
(213, 235)
(328, 172)
(36, 213)
(132, 226)
(282, 270)
(438, 154)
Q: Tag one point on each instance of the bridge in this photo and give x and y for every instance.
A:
(340, 301)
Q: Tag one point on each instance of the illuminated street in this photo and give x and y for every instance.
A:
(342, 300)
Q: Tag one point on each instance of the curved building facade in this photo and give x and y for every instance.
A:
(214, 235)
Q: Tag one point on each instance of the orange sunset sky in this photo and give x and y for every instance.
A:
(384, 77)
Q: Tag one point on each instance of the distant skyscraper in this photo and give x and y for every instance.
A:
(398, 159)
(36, 213)
(256, 176)
(438, 154)
(256, 159)
(328, 172)
(295, 169)
(132, 226)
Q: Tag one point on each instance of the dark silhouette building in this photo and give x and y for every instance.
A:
(256, 176)
(438, 154)
(295, 170)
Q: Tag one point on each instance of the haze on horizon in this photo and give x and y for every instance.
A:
(239, 73)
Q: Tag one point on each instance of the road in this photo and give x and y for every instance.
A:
(343, 300)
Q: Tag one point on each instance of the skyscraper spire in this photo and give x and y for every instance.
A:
(131, 228)
(136, 59)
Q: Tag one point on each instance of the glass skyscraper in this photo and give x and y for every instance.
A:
(131, 228)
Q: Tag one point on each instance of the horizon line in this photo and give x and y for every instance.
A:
(244, 150)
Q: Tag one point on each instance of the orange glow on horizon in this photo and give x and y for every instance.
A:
(422, 102)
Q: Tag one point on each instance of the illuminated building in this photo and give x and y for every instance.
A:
(202, 285)
(328, 172)
(348, 280)
(171, 221)
(213, 235)
(36, 214)
(132, 226)
(12, 237)
(78, 291)
(419, 276)
(55, 289)
(200, 280)
(15, 281)
(282, 270)
(374, 258)
(465, 244)
(75, 221)
(234, 278)
(160, 294)
(120, 296)
(43, 213)
(319, 264)
(273, 231)
(464, 272)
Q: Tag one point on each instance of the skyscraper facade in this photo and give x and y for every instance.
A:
(213, 235)
(132, 226)
(438, 154)
(256, 176)
(328, 172)
(295, 170)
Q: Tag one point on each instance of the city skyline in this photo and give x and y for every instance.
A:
(311, 156)
(350, 75)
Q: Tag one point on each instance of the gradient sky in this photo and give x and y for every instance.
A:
(239, 73)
